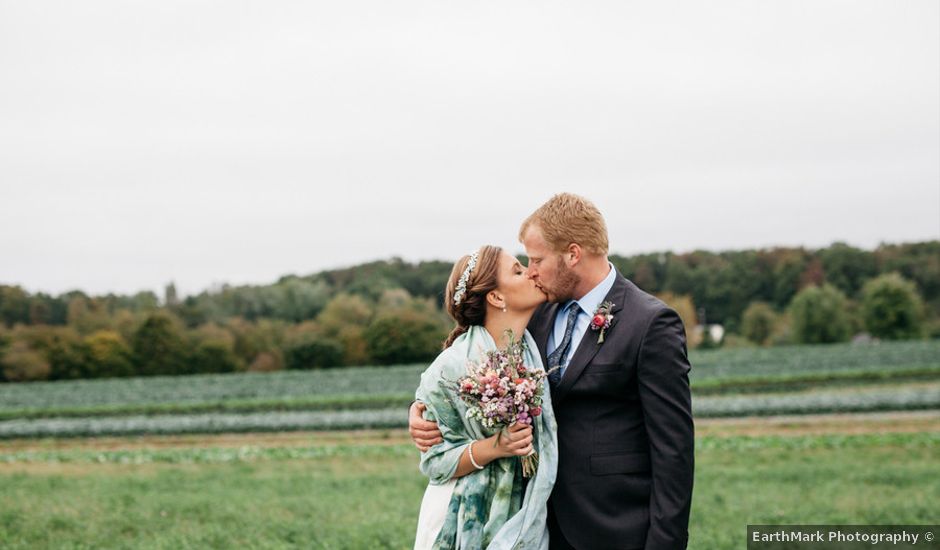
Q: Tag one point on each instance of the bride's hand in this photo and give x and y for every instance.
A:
(517, 441)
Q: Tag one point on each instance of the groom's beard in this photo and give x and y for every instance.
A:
(566, 280)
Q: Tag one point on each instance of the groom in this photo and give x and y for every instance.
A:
(621, 396)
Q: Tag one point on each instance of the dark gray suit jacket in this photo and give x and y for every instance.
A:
(625, 432)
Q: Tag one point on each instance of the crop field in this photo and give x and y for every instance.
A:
(739, 382)
(806, 434)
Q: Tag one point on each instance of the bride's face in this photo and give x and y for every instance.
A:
(519, 291)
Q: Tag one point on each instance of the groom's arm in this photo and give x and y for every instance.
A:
(424, 433)
(663, 378)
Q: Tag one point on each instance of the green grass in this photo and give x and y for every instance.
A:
(366, 495)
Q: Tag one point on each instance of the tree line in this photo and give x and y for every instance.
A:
(390, 312)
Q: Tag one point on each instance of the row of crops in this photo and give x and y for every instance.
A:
(743, 382)
(904, 397)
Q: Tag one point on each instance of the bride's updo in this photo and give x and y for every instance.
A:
(483, 278)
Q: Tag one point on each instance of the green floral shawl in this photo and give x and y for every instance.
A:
(493, 508)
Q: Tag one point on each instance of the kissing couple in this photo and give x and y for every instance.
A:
(615, 437)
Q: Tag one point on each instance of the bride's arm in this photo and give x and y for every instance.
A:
(518, 442)
(451, 457)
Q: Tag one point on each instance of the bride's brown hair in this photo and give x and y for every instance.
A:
(483, 279)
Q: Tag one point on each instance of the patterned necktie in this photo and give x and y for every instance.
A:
(558, 355)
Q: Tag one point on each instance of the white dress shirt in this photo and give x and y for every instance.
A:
(588, 303)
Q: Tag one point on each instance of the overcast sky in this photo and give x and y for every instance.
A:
(143, 142)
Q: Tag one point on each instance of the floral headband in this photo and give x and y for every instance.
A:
(462, 283)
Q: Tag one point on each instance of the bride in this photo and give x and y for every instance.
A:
(477, 497)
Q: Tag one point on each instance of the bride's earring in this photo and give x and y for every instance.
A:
(504, 309)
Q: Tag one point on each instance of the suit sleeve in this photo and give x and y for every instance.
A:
(663, 383)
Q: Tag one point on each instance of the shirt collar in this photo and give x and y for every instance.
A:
(590, 301)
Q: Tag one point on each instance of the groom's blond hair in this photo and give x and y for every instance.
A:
(568, 218)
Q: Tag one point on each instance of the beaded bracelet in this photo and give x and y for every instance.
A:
(474, 462)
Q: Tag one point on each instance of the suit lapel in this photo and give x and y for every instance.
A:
(588, 347)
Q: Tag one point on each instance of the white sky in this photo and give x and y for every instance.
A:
(208, 141)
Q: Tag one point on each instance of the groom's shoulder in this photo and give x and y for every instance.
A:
(643, 304)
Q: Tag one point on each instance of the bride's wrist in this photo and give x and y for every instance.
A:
(475, 457)
(495, 443)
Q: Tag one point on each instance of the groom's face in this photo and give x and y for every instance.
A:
(548, 268)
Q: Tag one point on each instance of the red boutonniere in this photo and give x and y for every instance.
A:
(601, 319)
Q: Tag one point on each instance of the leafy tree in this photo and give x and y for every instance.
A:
(648, 271)
(5, 339)
(267, 361)
(108, 355)
(787, 267)
(892, 308)
(680, 277)
(758, 322)
(818, 315)
(88, 315)
(344, 320)
(354, 308)
(847, 267)
(40, 312)
(213, 356)
(313, 351)
(813, 274)
(404, 336)
(191, 312)
(211, 332)
(427, 280)
(299, 300)
(61, 346)
(20, 363)
(159, 347)
(307, 347)
(733, 287)
(14, 305)
(213, 350)
(126, 323)
(265, 335)
(917, 262)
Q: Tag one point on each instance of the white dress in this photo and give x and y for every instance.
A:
(433, 512)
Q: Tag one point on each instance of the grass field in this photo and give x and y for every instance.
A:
(362, 489)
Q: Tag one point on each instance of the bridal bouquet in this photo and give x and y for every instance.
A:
(501, 390)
